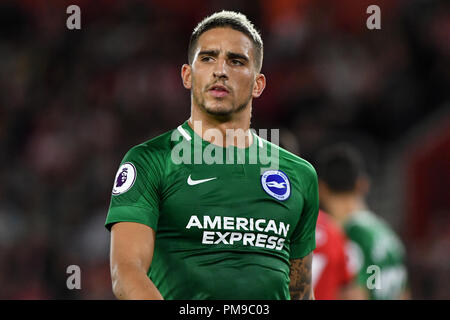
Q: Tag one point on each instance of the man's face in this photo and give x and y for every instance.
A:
(223, 72)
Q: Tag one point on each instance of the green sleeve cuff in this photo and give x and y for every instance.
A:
(145, 216)
(302, 249)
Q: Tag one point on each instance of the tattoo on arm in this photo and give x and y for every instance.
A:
(300, 275)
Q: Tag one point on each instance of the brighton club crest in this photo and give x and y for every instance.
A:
(125, 177)
(276, 183)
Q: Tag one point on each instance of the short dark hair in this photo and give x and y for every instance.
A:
(339, 166)
(233, 20)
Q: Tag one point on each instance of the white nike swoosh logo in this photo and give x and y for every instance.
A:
(194, 182)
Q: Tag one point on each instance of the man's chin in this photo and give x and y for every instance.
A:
(219, 111)
(222, 109)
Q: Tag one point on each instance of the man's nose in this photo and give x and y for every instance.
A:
(220, 69)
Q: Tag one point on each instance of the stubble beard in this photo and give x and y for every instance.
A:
(220, 113)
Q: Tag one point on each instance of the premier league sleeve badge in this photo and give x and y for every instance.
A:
(125, 177)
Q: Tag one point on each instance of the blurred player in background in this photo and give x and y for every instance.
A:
(332, 272)
(343, 184)
(198, 230)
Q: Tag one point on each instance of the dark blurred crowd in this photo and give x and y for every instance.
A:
(72, 102)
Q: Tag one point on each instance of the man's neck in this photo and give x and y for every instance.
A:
(224, 132)
(343, 206)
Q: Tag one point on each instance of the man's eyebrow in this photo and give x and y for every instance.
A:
(234, 55)
(230, 55)
(213, 53)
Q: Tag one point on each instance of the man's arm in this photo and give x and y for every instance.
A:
(132, 247)
(300, 275)
(353, 291)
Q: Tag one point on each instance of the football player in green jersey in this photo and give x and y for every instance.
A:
(377, 254)
(222, 225)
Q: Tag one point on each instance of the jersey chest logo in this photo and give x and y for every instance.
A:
(276, 183)
(192, 182)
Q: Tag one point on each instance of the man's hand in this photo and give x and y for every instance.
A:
(300, 274)
(132, 247)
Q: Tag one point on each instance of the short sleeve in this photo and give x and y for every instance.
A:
(360, 252)
(303, 240)
(135, 193)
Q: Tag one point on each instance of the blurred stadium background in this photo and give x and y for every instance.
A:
(73, 102)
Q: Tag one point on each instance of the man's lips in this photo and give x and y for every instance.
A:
(218, 91)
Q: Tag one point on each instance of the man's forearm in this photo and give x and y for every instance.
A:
(132, 283)
(300, 286)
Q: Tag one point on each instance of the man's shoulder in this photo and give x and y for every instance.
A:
(289, 159)
(361, 222)
(375, 236)
(366, 227)
(162, 142)
(156, 147)
(366, 221)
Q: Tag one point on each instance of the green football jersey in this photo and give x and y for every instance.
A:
(227, 220)
(374, 246)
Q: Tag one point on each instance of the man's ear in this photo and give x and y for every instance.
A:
(260, 84)
(363, 184)
(186, 76)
